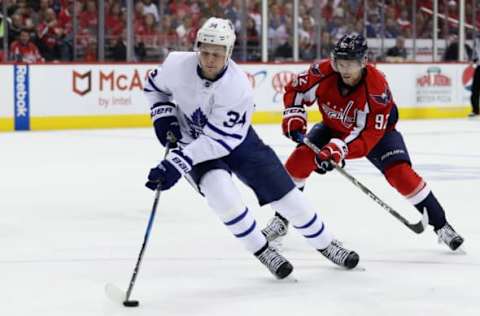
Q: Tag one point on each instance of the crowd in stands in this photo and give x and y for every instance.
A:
(43, 30)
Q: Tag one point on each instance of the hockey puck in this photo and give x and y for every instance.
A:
(130, 303)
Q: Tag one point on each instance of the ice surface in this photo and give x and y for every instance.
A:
(73, 211)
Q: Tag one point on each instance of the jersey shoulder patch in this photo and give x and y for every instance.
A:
(312, 76)
(377, 86)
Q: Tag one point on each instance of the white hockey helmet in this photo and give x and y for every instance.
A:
(218, 32)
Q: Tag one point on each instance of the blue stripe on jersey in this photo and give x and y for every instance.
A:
(238, 218)
(307, 224)
(219, 131)
(248, 231)
(316, 234)
(221, 142)
(147, 90)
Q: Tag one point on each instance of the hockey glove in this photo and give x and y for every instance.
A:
(169, 171)
(335, 151)
(165, 122)
(294, 124)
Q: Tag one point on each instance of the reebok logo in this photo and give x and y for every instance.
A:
(21, 92)
(21, 97)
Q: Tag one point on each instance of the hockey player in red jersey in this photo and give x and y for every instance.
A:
(359, 118)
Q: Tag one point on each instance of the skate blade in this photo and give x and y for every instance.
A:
(460, 251)
(289, 279)
(358, 268)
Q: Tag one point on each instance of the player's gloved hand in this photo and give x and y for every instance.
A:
(164, 117)
(294, 124)
(169, 171)
(335, 151)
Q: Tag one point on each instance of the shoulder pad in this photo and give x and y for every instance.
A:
(322, 69)
(315, 73)
(377, 86)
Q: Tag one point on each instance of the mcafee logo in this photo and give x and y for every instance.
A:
(82, 83)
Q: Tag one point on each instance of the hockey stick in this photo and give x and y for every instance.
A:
(112, 291)
(417, 227)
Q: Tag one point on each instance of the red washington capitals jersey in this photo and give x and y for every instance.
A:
(359, 118)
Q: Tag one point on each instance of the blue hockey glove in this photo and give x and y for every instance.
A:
(169, 171)
(165, 122)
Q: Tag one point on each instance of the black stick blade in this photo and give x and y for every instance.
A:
(417, 228)
(420, 226)
(131, 303)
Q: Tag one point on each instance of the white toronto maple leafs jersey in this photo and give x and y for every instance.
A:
(214, 116)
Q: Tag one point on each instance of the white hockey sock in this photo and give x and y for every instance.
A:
(224, 198)
(295, 207)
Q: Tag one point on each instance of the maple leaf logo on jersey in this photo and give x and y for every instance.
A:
(196, 122)
(383, 98)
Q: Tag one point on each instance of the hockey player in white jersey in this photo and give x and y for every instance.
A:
(206, 101)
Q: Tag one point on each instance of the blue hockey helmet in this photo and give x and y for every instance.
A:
(351, 46)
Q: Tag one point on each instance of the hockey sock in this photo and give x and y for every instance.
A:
(301, 163)
(277, 214)
(224, 198)
(436, 214)
(294, 207)
(408, 183)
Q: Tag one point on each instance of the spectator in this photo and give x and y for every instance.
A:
(452, 51)
(149, 7)
(307, 47)
(403, 22)
(114, 25)
(24, 51)
(88, 19)
(253, 41)
(148, 32)
(397, 53)
(328, 43)
(50, 35)
(392, 30)
(2, 33)
(119, 50)
(14, 28)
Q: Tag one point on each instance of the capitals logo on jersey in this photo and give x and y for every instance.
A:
(196, 122)
(346, 116)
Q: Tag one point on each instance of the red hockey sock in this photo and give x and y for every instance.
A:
(402, 177)
(301, 162)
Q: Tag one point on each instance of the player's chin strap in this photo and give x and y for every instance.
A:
(417, 227)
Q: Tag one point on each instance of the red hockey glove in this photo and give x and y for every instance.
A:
(294, 124)
(336, 151)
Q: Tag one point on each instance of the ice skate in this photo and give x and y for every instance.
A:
(449, 236)
(341, 256)
(274, 231)
(275, 262)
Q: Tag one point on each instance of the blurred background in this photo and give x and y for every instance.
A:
(267, 31)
